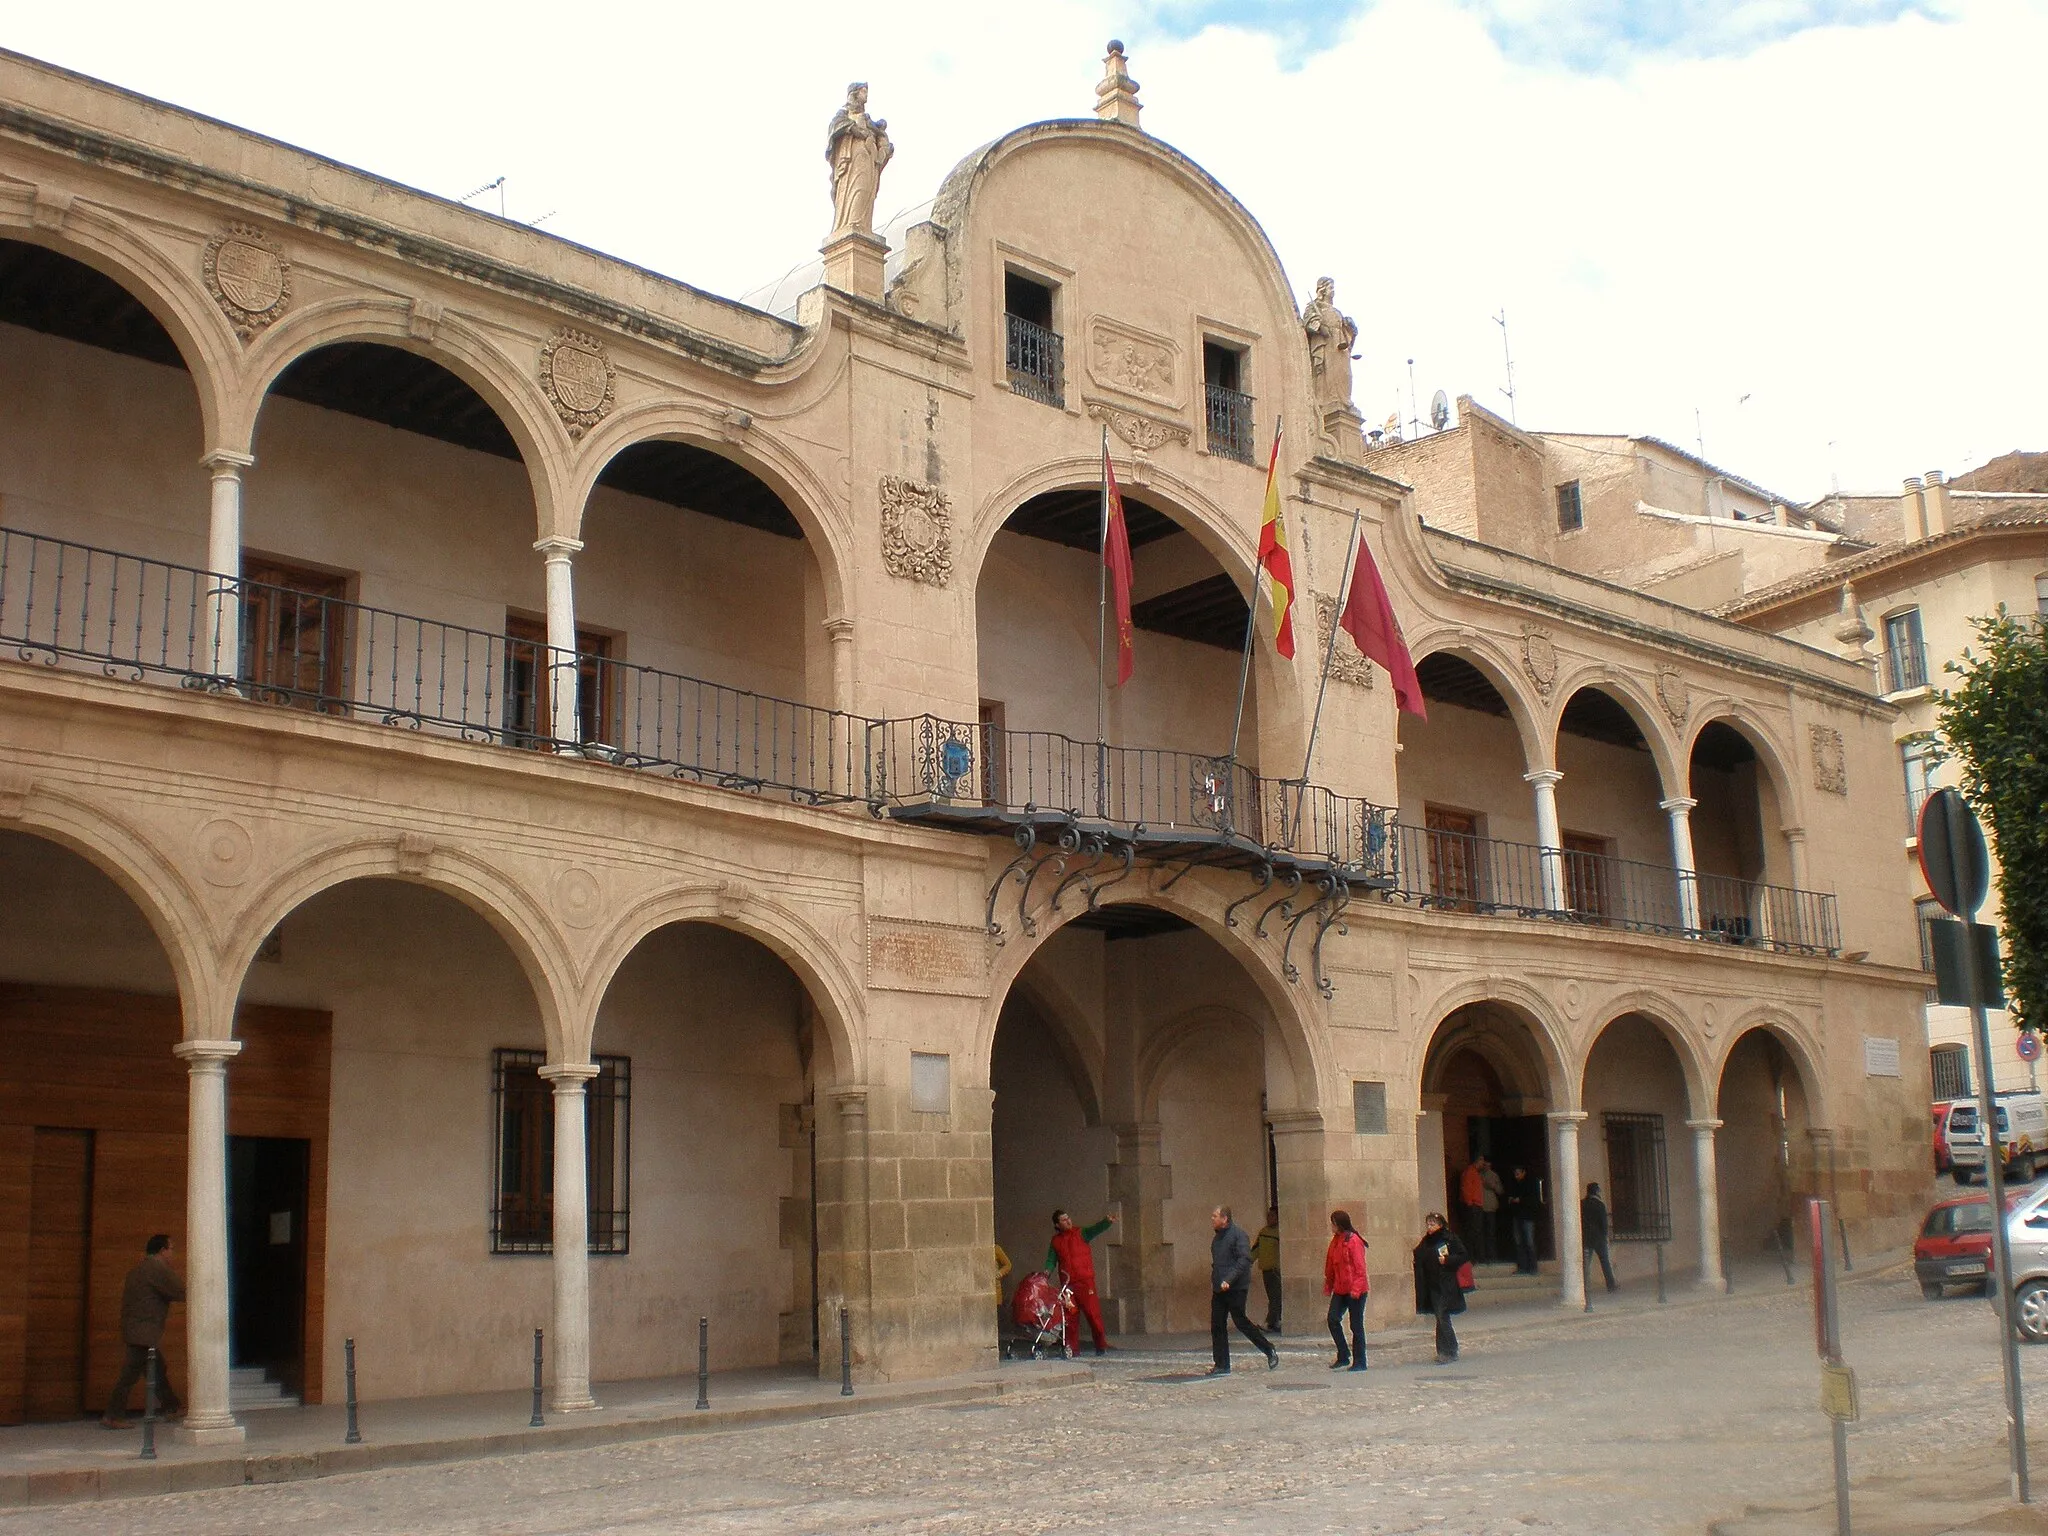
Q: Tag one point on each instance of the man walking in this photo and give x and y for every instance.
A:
(1593, 1230)
(146, 1297)
(1266, 1254)
(1069, 1251)
(1524, 1200)
(1230, 1276)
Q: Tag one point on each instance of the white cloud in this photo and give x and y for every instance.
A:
(1843, 224)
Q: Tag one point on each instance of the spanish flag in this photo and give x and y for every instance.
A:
(1116, 560)
(1275, 570)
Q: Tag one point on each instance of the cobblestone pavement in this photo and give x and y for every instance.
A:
(1627, 1422)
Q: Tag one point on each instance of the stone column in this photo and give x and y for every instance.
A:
(1304, 1196)
(1679, 809)
(1795, 848)
(1707, 1176)
(1571, 1244)
(1548, 836)
(221, 626)
(843, 1242)
(208, 1420)
(850, 765)
(1141, 1259)
(569, 1343)
(560, 553)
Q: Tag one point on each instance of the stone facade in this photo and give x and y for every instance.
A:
(602, 694)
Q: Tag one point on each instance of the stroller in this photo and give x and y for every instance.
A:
(1041, 1307)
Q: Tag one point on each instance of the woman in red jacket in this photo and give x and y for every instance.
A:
(1344, 1282)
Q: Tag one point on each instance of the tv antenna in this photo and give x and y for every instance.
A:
(497, 186)
(1414, 420)
(1508, 357)
(1440, 411)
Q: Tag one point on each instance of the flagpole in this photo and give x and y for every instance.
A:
(1244, 669)
(1101, 643)
(1329, 656)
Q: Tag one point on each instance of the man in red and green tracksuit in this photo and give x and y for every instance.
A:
(1069, 1251)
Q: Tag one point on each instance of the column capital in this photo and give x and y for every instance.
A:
(1562, 1117)
(1295, 1122)
(226, 462)
(1821, 1135)
(559, 546)
(1793, 834)
(206, 1055)
(852, 1101)
(1706, 1127)
(569, 1076)
(839, 629)
(1677, 805)
(1543, 778)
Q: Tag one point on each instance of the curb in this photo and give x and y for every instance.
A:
(139, 1479)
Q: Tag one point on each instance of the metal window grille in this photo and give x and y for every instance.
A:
(523, 1189)
(1951, 1072)
(1229, 432)
(1638, 1181)
(1033, 356)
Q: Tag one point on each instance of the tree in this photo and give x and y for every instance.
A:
(1996, 723)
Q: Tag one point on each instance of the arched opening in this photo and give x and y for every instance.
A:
(1736, 846)
(427, 1245)
(104, 428)
(1609, 820)
(1636, 1146)
(1485, 1095)
(1468, 820)
(1187, 1047)
(1036, 626)
(723, 1050)
(1766, 1156)
(92, 1126)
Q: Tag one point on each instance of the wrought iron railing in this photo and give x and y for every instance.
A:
(1459, 872)
(1905, 666)
(1035, 358)
(1229, 429)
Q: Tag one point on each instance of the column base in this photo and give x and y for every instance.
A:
(584, 1404)
(221, 1431)
(1715, 1285)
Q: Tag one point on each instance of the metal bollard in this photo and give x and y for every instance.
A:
(536, 1421)
(845, 1354)
(148, 1407)
(703, 1362)
(1660, 1274)
(354, 1435)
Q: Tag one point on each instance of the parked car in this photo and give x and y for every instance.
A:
(2026, 1231)
(1954, 1246)
(1941, 1109)
(2022, 1136)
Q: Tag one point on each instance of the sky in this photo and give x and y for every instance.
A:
(1803, 236)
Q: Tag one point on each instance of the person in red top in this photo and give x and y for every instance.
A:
(1069, 1251)
(1344, 1282)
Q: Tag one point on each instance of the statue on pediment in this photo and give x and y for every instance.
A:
(857, 147)
(1330, 338)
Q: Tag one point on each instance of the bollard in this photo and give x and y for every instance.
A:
(148, 1407)
(845, 1354)
(354, 1435)
(537, 1421)
(703, 1362)
(1660, 1274)
(1842, 1229)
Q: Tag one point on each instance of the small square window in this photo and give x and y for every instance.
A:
(1369, 1109)
(931, 1084)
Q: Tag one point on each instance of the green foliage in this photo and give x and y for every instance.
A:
(1996, 723)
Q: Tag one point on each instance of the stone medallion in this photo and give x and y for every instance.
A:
(248, 277)
(917, 531)
(1539, 659)
(1673, 695)
(578, 378)
(226, 850)
(579, 900)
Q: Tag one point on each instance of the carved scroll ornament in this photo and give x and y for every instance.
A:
(917, 531)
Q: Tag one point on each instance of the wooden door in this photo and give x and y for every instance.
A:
(295, 636)
(59, 1261)
(1453, 855)
(1585, 874)
(529, 712)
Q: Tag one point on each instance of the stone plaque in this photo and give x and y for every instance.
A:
(248, 277)
(905, 955)
(578, 379)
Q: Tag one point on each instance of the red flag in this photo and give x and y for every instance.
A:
(1116, 555)
(1368, 618)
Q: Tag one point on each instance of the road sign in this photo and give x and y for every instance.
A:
(1952, 853)
(1951, 983)
(2028, 1045)
(1838, 1393)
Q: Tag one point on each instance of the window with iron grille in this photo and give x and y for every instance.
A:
(1918, 756)
(1926, 912)
(1638, 1182)
(1571, 508)
(1033, 352)
(1228, 428)
(1905, 652)
(523, 1191)
(1951, 1071)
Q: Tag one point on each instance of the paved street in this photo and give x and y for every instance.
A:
(1622, 1422)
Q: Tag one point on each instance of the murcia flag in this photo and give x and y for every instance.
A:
(1368, 618)
(1275, 570)
(1116, 559)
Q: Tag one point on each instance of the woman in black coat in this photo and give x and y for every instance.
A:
(1438, 1258)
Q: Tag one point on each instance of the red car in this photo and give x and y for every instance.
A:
(1941, 1135)
(1954, 1246)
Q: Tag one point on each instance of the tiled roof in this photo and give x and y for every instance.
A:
(1995, 519)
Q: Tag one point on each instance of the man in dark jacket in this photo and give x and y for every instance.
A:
(1524, 1200)
(146, 1298)
(1230, 1279)
(1593, 1230)
(1438, 1259)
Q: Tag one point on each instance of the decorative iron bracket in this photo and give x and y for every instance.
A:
(1265, 883)
(1027, 839)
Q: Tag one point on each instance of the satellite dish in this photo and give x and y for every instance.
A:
(1440, 411)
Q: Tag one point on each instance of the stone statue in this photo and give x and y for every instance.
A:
(1330, 336)
(856, 147)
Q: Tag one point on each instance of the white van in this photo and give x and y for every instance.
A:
(2022, 1135)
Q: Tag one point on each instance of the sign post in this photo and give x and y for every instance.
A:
(1837, 1381)
(1957, 864)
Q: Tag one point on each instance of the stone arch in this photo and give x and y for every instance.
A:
(1156, 1059)
(1668, 1021)
(1551, 1070)
(1800, 1046)
(457, 346)
(1770, 751)
(500, 900)
(1081, 1055)
(1493, 662)
(195, 325)
(814, 506)
(830, 982)
(1642, 708)
(160, 892)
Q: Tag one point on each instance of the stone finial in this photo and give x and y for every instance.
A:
(1853, 632)
(1116, 99)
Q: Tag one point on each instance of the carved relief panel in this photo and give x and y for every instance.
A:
(1135, 362)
